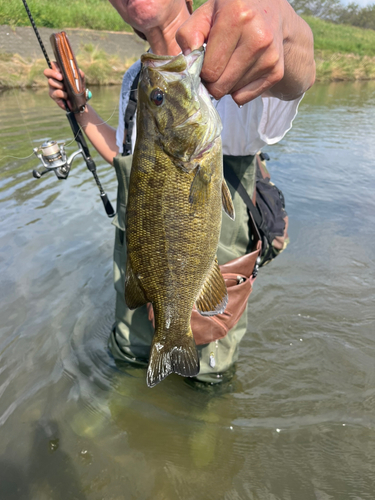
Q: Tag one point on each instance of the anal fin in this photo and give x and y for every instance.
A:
(226, 198)
(134, 296)
(213, 297)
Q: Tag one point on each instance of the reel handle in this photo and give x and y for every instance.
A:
(37, 174)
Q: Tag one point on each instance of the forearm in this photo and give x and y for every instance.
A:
(101, 135)
(299, 64)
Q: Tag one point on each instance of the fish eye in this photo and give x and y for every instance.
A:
(157, 97)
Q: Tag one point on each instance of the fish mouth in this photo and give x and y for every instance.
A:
(173, 64)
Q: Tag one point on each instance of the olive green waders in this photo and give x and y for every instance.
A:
(131, 338)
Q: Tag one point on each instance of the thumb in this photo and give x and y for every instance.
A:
(194, 32)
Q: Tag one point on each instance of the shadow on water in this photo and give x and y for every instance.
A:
(51, 473)
(183, 434)
(51, 469)
(14, 483)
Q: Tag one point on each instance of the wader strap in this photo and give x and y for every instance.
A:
(129, 117)
(230, 176)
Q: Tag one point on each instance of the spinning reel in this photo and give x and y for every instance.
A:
(53, 158)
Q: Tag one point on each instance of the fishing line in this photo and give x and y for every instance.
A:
(16, 157)
(32, 154)
(27, 130)
(106, 121)
(66, 144)
(23, 118)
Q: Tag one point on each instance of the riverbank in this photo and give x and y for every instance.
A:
(342, 53)
(104, 56)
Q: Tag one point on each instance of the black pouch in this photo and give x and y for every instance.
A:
(267, 208)
(270, 203)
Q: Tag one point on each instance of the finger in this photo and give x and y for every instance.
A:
(249, 63)
(194, 32)
(272, 77)
(61, 103)
(56, 67)
(56, 84)
(236, 74)
(255, 88)
(57, 94)
(53, 72)
(221, 44)
(266, 72)
(269, 65)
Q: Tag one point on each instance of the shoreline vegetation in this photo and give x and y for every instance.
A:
(342, 52)
(99, 67)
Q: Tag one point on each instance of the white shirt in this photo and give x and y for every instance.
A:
(262, 121)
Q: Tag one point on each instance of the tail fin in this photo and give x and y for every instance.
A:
(181, 358)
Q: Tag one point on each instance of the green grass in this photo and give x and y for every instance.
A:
(90, 14)
(99, 67)
(340, 38)
(342, 52)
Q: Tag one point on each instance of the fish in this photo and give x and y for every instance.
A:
(174, 209)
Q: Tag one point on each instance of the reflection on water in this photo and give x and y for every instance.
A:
(297, 422)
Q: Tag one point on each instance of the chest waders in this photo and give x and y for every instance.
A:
(131, 338)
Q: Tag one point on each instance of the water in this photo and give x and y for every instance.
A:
(299, 420)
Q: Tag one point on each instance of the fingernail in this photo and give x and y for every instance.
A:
(187, 52)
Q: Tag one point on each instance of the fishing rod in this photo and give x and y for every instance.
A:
(51, 154)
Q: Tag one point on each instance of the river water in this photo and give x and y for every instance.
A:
(298, 420)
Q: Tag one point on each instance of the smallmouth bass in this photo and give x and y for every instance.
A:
(173, 216)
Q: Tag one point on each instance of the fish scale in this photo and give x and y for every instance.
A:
(174, 209)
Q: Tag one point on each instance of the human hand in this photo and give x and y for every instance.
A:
(251, 46)
(56, 87)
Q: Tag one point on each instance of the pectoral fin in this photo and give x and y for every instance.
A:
(227, 200)
(199, 186)
(213, 297)
(134, 296)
